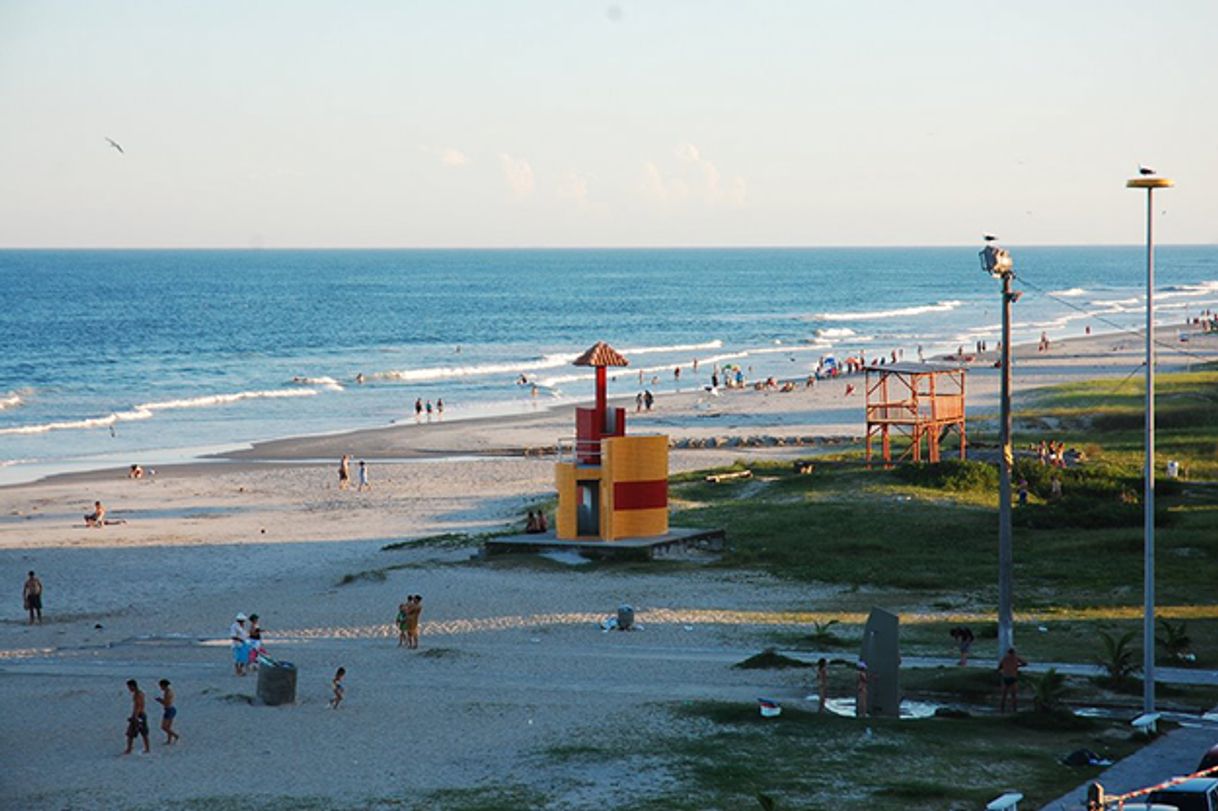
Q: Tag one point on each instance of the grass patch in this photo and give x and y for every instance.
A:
(770, 659)
(804, 760)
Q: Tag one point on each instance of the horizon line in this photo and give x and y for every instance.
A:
(673, 247)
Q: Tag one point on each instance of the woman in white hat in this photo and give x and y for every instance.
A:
(240, 638)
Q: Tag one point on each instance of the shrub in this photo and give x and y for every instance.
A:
(950, 474)
(1117, 656)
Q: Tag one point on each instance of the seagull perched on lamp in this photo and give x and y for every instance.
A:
(1146, 170)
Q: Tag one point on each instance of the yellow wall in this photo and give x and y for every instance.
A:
(632, 459)
(623, 459)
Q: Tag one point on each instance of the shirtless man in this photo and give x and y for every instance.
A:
(31, 596)
(1009, 668)
(97, 518)
(344, 472)
(137, 724)
(169, 711)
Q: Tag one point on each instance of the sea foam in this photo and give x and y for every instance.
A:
(145, 411)
(900, 312)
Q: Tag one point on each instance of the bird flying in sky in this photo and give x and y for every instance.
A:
(114, 144)
(1146, 170)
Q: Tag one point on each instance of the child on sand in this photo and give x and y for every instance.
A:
(363, 477)
(414, 607)
(337, 686)
(401, 622)
(169, 711)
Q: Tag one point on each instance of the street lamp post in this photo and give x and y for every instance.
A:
(1150, 182)
(997, 262)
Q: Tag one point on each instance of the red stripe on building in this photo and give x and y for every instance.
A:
(640, 495)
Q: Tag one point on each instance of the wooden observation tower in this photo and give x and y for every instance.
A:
(916, 400)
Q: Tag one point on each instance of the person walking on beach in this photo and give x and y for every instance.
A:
(363, 477)
(240, 639)
(418, 410)
(439, 409)
(429, 410)
(822, 684)
(1008, 667)
(336, 685)
(137, 723)
(648, 399)
(402, 622)
(168, 711)
(31, 597)
(414, 608)
(344, 472)
(638, 402)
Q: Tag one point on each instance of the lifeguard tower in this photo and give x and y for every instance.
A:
(918, 401)
(610, 486)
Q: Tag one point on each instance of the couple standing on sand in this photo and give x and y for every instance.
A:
(344, 474)
(408, 621)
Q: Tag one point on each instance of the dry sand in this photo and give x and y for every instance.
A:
(512, 663)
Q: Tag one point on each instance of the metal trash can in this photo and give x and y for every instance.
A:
(276, 683)
(625, 617)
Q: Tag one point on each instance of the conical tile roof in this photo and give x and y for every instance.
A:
(601, 354)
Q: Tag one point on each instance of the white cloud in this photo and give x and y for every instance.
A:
(693, 177)
(574, 187)
(518, 174)
(453, 157)
(689, 153)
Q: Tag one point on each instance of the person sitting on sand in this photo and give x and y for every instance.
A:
(136, 472)
(542, 525)
(97, 518)
(530, 523)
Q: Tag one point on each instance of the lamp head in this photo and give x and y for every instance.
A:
(996, 261)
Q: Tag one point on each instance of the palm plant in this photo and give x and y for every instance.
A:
(1117, 656)
(822, 632)
(1174, 640)
(1050, 689)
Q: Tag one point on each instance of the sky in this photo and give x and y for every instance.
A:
(603, 124)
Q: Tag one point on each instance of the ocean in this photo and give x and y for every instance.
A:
(111, 357)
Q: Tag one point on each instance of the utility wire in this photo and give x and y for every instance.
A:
(1128, 331)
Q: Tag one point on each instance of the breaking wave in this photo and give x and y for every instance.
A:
(877, 315)
(145, 411)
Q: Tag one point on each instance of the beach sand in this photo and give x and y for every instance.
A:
(512, 663)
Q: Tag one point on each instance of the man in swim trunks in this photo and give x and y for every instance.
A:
(344, 472)
(31, 596)
(137, 724)
(169, 711)
(1008, 667)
